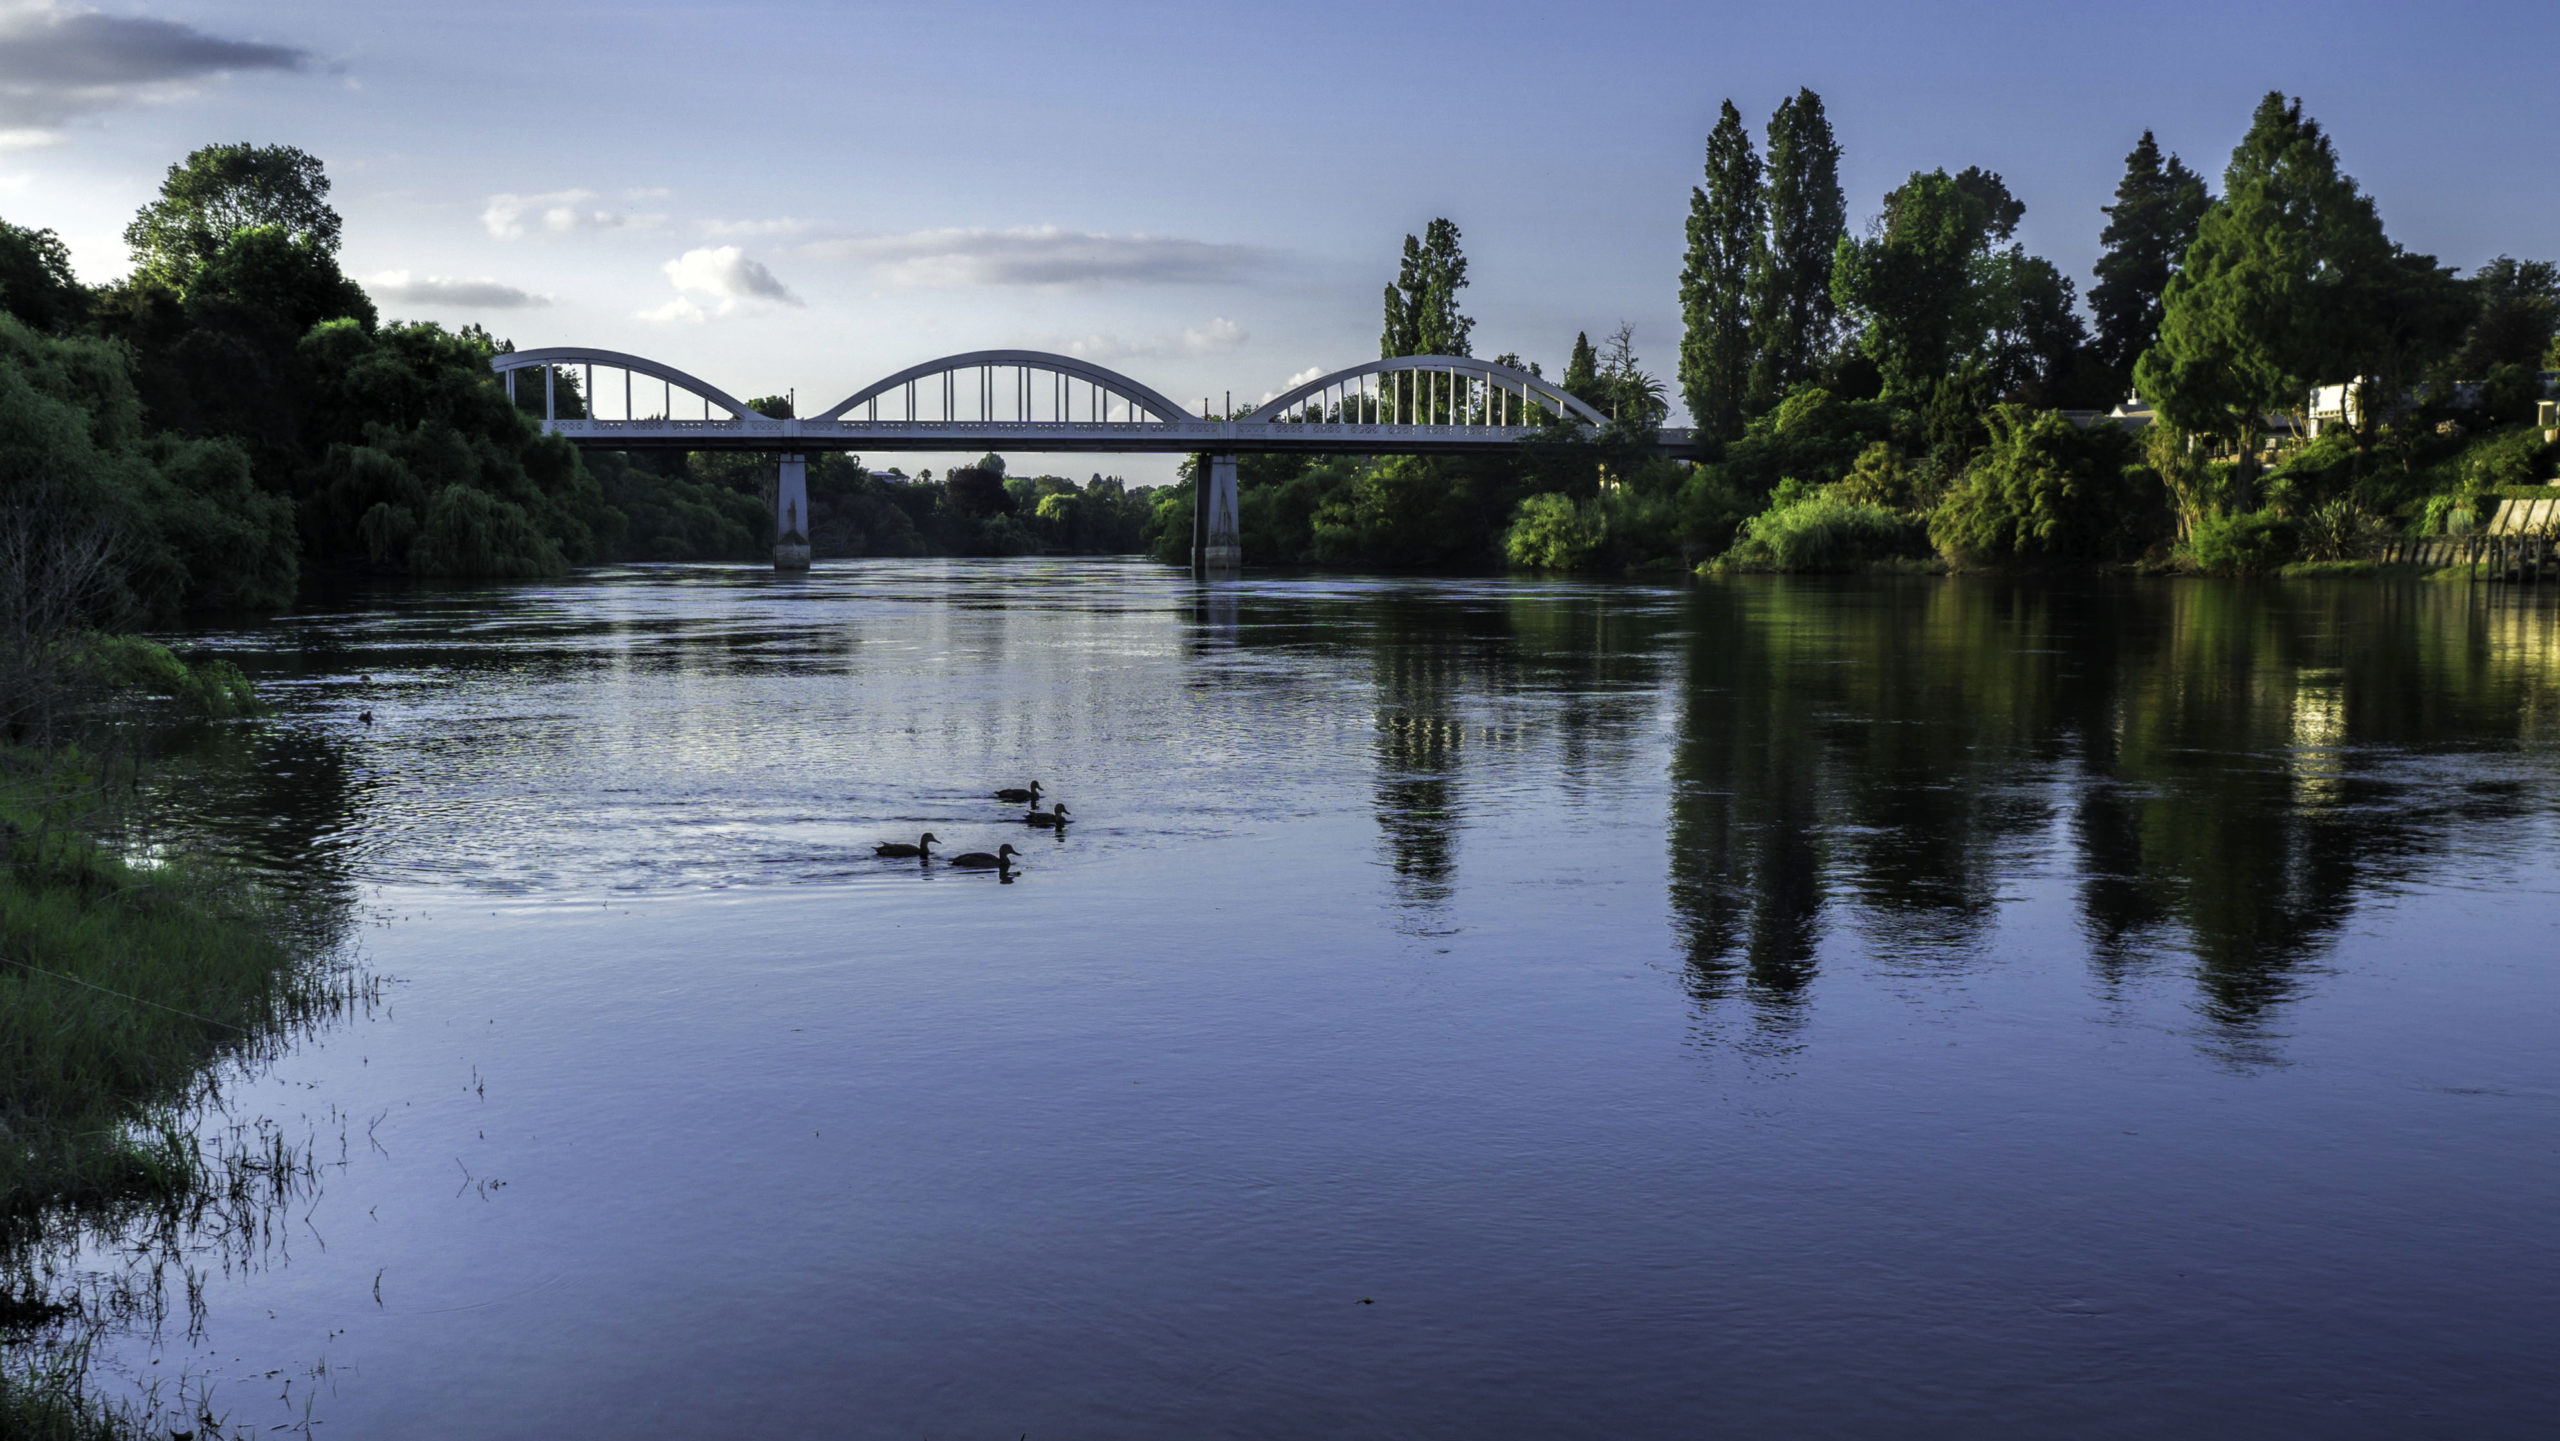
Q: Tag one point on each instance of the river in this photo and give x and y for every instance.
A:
(1467, 1008)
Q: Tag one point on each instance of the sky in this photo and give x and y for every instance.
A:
(806, 195)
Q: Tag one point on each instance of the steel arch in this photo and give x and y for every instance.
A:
(619, 360)
(1274, 411)
(1113, 381)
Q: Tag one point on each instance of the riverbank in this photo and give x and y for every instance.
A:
(124, 986)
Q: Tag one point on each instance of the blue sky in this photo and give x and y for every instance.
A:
(787, 195)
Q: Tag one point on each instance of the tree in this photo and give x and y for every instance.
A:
(269, 271)
(1582, 372)
(1911, 285)
(2158, 204)
(2290, 283)
(1635, 399)
(1422, 306)
(1792, 312)
(221, 190)
(2519, 304)
(2033, 332)
(1726, 252)
(978, 493)
(36, 283)
(2405, 315)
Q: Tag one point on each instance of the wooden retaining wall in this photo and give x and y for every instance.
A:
(2524, 517)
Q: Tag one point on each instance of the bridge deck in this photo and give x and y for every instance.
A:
(757, 433)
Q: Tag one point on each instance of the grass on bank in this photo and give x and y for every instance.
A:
(123, 987)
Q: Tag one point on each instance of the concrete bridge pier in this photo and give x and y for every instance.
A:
(791, 515)
(1217, 543)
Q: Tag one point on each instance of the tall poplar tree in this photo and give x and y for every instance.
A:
(1791, 308)
(1727, 218)
(1422, 306)
(2158, 204)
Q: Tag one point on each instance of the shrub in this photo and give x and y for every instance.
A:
(2242, 544)
(2503, 458)
(1824, 531)
(212, 687)
(2046, 488)
(1711, 511)
(2338, 529)
(1553, 532)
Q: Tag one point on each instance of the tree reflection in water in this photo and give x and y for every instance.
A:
(2239, 767)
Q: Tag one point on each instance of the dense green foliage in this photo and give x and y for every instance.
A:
(36, 283)
(2045, 489)
(1943, 307)
(2519, 309)
(1819, 528)
(80, 469)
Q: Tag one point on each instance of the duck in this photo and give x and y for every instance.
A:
(1017, 793)
(1054, 817)
(900, 850)
(1000, 859)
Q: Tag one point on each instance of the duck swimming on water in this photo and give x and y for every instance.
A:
(1017, 793)
(900, 850)
(1000, 859)
(1053, 818)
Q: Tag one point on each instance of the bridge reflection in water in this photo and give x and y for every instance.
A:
(1037, 401)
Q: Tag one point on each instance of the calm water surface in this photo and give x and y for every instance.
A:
(1459, 1009)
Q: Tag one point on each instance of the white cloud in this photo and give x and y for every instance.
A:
(674, 310)
(1215, 335)
(727, 276)
(1219, 334)
(399, 287)
(508, 216)
(57, 63)
(1292, 383)
(1041, 256)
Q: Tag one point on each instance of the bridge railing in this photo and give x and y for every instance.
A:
(1032, 398)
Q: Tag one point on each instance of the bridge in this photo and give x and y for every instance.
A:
(1030, 400)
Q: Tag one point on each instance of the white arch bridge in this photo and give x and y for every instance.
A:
(1029, 400)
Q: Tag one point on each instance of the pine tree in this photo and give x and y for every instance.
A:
(2148, 231)
(1422, 316)
(1791, 309)
(1726, 248)
(1582, 373)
